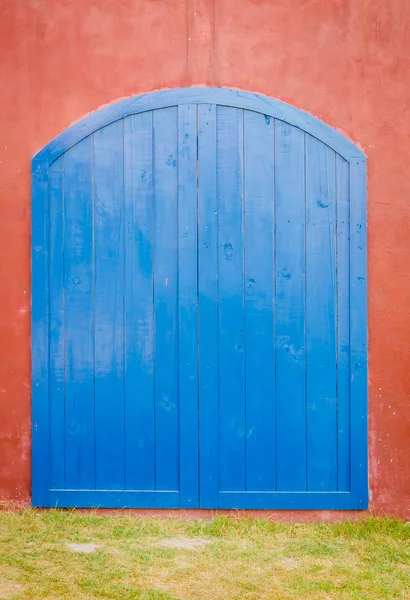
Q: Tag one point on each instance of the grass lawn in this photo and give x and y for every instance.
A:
(219, 559)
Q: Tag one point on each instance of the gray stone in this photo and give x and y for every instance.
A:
(184, 543)
(83, 548)
(9, 589)
(288, 563)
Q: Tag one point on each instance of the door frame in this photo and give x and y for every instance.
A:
(357, 497)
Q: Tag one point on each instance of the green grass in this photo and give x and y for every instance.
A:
(250, 559)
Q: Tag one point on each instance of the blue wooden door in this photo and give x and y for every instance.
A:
(199, 308)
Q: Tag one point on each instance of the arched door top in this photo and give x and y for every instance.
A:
(199, 95)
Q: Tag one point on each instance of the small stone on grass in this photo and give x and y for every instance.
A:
(83, 548)
(288, 563)
(184, 543)
(9, 589)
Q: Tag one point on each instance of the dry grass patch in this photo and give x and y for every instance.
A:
(153, 559)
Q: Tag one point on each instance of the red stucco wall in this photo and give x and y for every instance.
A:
(345, 61)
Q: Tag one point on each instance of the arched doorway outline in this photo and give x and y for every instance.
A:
(358, 252)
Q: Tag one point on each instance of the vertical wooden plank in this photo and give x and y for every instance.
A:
(109, 306)
(343, 333)
(57, 370)
(165, 176)
(187, 294)
(138, 290)
(358, 333)
(208, 306)
(79, 346)
(40, 333)
(231, 298)
(290, 363)
(320, 316)
(259, 301)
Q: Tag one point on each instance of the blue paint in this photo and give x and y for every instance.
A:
(231, 389)
(285, 500)
(199, 311)
(188, 306)
(57, 334)
(108, 274)
(258, 249)
(77, 323)
(290, 355)
(342, 326)
(138, 302)
(320, 317)
(166, 300)
(208, 307)
(358, 333)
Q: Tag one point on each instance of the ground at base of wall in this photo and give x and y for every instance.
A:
(195, 514)
(72, 555)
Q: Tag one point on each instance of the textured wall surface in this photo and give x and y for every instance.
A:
(344, 61)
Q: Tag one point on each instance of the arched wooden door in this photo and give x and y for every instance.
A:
(199, 308)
